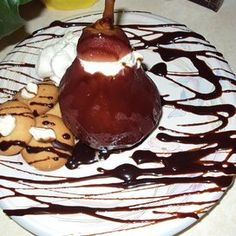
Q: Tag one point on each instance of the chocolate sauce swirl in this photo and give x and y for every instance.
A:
(180, 170)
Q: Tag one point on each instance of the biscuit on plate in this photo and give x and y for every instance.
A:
(51, 145)
(15, 121)
(40, 97)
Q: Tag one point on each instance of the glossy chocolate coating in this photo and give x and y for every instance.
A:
(111, 112)
(108, 112)
(102, 41)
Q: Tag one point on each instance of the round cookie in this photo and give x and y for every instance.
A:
(15, 121)
(39, 97)
(51, 144)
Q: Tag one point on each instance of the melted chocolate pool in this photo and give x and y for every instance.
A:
(190, 154)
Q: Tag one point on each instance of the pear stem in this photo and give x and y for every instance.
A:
(109, 10)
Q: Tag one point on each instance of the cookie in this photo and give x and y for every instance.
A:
(55, 110)
(51, 144)
(15, 121)
(39, 97)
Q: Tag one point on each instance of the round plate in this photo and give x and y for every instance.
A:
(164, 184)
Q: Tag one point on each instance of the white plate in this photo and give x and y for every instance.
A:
(198, 123)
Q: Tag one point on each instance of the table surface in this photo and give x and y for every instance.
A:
(219, 28)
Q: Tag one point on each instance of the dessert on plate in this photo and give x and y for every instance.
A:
(162, 185)
(106, 98)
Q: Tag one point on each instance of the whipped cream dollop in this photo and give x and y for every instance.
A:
(112, 68)
(56, 58)
(42, 134)
(29, 91)
(7, 125)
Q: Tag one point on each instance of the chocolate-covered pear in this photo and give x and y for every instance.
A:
(106, 98)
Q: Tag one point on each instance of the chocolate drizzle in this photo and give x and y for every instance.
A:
(5, 145)
(191, 153)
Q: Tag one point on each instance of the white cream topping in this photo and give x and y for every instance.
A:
(42, 134)
(113, 68)
(29, 91)
(56, 58)
(7, 124)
